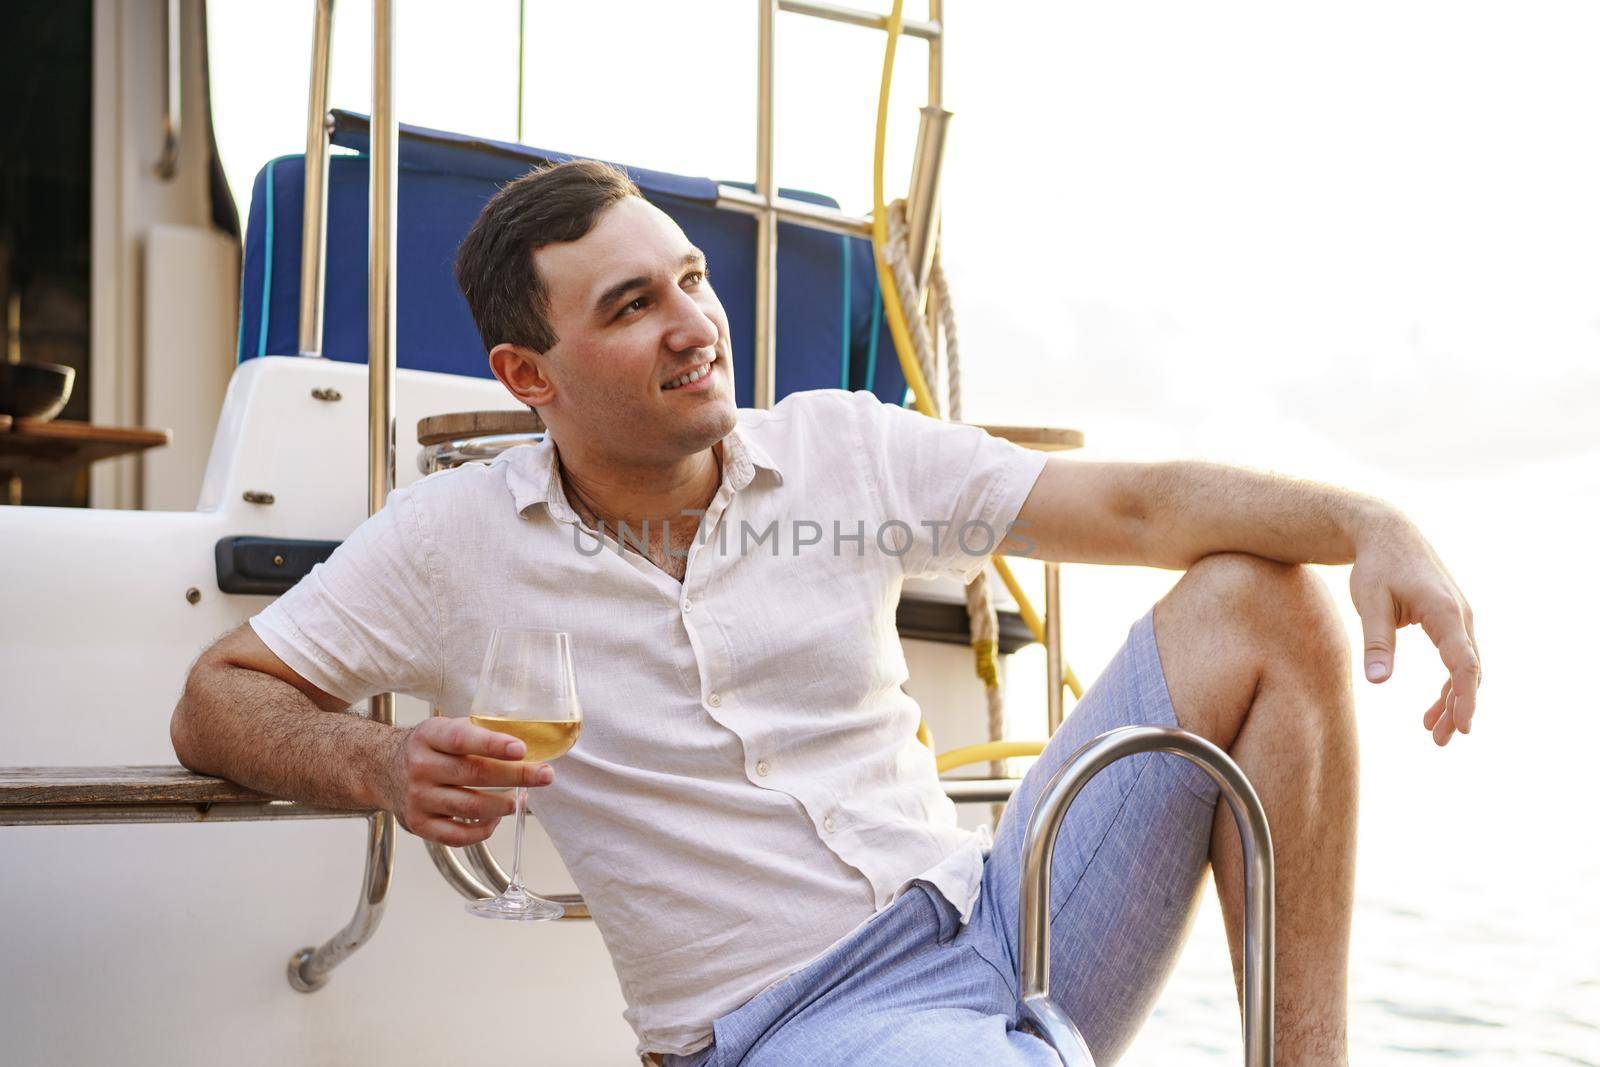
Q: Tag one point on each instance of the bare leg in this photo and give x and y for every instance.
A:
(1257, 662)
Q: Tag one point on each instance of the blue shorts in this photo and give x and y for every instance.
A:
(914, 986)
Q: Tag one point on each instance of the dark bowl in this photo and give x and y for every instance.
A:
(34, 390)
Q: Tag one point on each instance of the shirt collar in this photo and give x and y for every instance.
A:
(532, 477)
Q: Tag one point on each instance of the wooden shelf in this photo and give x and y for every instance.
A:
(458, 425)
(66, 796)
(1039, 438)
(35, 786)
(28, 448)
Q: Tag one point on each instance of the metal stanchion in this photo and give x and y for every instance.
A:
(308, 968)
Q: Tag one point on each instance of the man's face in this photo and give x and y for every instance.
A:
(634, 312)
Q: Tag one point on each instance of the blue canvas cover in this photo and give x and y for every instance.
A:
(830, 328)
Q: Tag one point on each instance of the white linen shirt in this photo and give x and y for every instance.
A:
(748, 788)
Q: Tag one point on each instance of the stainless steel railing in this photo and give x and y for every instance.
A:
(479, 876)
(769, 208)
(308, 968)
(1055, 700)
(1038, 851)
(314, 221)
(166, 167)
(766, 332)
(444, 455)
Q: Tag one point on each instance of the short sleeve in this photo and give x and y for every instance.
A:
(955, 488)
(365, 621)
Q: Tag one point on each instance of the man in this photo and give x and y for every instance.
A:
(759, 836)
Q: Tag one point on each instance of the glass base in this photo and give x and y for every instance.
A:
(518, 904)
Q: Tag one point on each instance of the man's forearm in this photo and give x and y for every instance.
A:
(1188, 509)
(262, 732)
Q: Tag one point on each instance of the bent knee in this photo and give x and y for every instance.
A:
(1285, 607)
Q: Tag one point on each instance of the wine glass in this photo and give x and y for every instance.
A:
(527, 690)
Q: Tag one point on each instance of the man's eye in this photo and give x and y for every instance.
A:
(695, 277)
(636, 304)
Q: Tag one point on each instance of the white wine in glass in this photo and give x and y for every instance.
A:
(527, 690)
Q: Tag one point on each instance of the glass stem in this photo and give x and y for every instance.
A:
(516, 855)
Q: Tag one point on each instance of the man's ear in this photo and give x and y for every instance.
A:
(520, 370)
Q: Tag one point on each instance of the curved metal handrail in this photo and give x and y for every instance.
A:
(487, 868)
(447, 455)
(1038, 850)
(309, 967)
(481, 877)
(455, 872)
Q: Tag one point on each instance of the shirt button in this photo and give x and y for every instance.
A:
(688, 605)
(762, 768)
(715, 700)
(829, 825)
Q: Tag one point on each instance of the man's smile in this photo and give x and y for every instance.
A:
(694, 376)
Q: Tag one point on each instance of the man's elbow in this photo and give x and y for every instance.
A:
(185, 729)
(1143, 506)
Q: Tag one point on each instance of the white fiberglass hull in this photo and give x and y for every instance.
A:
(168, 944)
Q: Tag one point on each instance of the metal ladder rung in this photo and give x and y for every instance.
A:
(812, 216)
(927, 31)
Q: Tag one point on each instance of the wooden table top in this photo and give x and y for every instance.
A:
(35, 447)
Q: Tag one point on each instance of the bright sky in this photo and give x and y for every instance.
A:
(1390, 205)
(1358, 243)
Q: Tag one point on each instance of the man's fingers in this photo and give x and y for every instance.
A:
(1376, 607)
(1446, 628)
(1464, 694)
(1431, 716)
(458, 737)
(449, 832)
(1470, 675)
(1466, 614)
(433, 767)
(1445, 727)
(1459, 656)
(493, 773)
(465, 803)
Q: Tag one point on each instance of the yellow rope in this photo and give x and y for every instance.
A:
(1029, 616)
(894, 312)
(986, 753)
(1035, 624)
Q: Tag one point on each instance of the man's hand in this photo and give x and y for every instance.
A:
(1398, 580)
(437, 768)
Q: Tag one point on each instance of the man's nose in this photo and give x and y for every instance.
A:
(691, 327)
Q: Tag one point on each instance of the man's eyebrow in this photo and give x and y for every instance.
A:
(620, 290)
(693, 257)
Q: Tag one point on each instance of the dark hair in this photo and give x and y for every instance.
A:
(510, 302)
